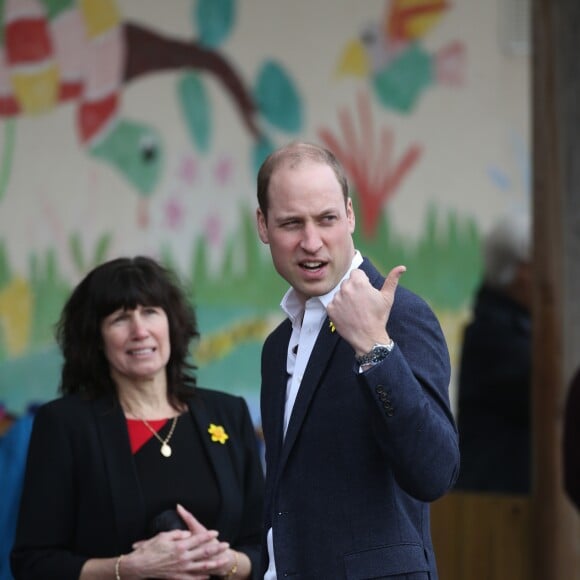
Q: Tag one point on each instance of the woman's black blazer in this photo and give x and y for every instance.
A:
(81, 497)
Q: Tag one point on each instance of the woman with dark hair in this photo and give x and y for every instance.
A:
(119, 465)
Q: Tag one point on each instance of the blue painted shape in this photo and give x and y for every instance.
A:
(499, 178)
(33, 377)
(13, 451)
(238, 372)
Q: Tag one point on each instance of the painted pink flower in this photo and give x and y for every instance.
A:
(188, 169)
(174, 213)
(223, 170)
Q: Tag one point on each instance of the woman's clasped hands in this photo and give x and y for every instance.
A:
(195, 553)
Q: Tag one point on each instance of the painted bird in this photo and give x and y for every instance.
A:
(391, 55)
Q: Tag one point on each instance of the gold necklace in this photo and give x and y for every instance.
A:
(165, 448)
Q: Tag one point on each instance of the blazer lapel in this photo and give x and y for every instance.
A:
(273, 396)
(128, 503)
(218, 455)
(319, 359)
(374, 276)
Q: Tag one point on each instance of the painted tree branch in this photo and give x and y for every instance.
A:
(150, 52)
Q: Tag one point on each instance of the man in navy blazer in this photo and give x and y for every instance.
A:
(355, 408)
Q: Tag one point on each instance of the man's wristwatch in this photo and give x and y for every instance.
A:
(377, 353)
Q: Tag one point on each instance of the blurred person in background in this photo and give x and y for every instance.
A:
(495, 366)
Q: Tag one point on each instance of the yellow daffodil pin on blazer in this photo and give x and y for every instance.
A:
(332, 327)
(218, 433)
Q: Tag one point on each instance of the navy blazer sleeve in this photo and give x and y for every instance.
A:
(409, 389)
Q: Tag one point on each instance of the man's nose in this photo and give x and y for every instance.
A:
(311, 239)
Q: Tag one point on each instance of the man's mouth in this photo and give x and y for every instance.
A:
(312, 266)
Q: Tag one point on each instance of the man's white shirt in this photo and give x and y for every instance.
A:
(307, 320)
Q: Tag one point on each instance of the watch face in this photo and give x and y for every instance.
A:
(376, 354)
(379, 353)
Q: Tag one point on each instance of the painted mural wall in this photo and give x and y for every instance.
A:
(137, 126)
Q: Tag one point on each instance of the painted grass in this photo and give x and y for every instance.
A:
(443, 266)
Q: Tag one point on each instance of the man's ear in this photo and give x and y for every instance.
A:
(350, 215)
(262, 226)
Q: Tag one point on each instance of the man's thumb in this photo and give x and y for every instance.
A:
(392, 280)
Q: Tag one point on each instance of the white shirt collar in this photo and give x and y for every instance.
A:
(293, 306)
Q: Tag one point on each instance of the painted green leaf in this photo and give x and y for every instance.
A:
(261, 150)
(76, 251)
(55, 8)
(5, 270)
(401, 84)
(195, 106)
(102, 248)
(7, 155)
(136, 151)
(277, 98)
(215, 20)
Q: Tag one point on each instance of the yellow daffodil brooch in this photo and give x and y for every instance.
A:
(218, 433)
(332, 327)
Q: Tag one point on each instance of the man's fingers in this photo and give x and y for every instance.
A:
(392, 280)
